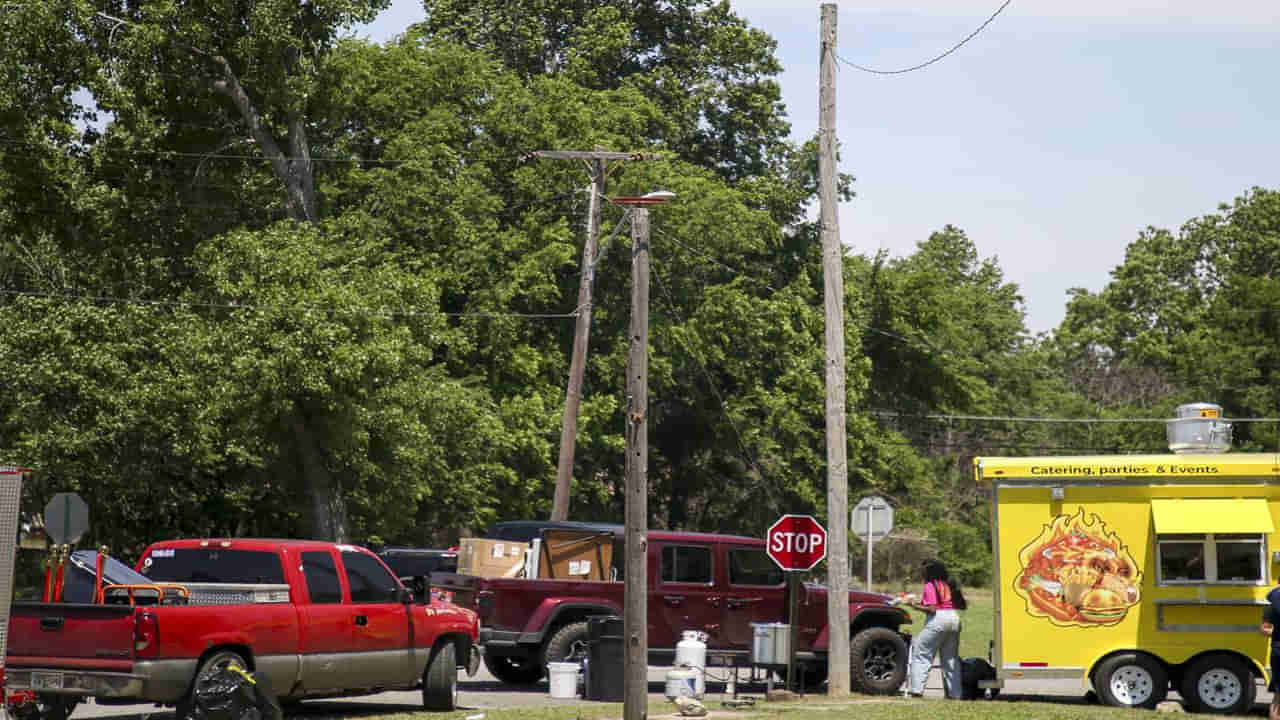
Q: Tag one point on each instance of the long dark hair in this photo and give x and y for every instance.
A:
(935, 570)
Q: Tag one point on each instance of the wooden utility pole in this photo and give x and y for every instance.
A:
(636, 614)
(833, 291)
(582, 329)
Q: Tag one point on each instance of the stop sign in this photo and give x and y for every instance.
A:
(796, 542)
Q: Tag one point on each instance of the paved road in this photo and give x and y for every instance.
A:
(484, 692)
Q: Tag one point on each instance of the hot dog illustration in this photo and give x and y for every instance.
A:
(1076, 573)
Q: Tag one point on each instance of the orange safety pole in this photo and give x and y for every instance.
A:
(62, 564)
(97, 590)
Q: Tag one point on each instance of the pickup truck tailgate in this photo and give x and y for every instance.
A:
(70, 635)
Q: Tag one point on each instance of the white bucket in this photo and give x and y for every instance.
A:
(564, 679)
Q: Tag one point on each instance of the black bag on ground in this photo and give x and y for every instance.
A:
(974, 670)
(229, 694)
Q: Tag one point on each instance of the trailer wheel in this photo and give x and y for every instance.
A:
(440, 680)
(877, 661)
(1131, 680)
(1219, 684)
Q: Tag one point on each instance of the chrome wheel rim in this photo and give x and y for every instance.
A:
(1219, 688)
(1131, 685)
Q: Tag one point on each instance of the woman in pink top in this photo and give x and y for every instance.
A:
(940, 599)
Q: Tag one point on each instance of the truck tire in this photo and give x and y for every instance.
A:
(1219, 684)
(208, 666)
(513, 670)
(877, 661)
(569, 644)
(55, 707)
(440, 680)
(1131, 680)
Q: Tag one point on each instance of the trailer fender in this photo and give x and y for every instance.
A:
(554, 612)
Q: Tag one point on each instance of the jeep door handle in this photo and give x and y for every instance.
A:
(736, 603)
(713, 600)
(361, 620)
(50, 623)
(673, 600)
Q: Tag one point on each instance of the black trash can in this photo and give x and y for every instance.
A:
(605, 654)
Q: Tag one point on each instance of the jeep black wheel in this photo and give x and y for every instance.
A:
(569, 644)
(877, 661)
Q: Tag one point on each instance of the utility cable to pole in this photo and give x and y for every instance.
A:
(833, 291)
(582, 328)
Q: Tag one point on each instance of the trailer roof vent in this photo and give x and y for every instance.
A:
(1198, 428)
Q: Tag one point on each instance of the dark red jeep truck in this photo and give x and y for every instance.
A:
(318, 619)
(719, 584)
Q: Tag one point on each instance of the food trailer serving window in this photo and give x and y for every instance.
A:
(1190, 550)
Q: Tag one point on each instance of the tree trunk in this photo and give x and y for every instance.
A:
(327, 505)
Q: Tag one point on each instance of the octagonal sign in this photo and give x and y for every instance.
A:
(796, 542)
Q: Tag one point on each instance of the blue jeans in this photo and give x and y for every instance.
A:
(941, 633)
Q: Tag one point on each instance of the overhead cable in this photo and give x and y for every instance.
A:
(933, 60)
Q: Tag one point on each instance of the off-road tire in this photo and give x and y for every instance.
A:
(568, 644)
(208, 666)
(1219, 684)
(440, 680)
(1131, 680)
(514, 670)
(877, 661)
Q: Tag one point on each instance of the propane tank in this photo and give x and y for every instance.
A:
(682, 682)
(691, 652)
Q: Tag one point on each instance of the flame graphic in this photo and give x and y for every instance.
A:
(1076, 573)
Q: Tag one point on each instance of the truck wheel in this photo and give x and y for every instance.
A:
(569, 644)
(55, 707)
(1218, 684)
(513, 670)
(209, 666)
(877, 661)
(1131, 680)
(440, 680)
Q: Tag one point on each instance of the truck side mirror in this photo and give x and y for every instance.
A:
(404, 596)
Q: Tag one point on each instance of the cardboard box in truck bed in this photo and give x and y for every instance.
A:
(483, 557)
(576, 555)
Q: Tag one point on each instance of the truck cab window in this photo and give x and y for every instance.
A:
(368, 579)
(322, 578)
(686, 564)
(1211, 558)
(213, 565)
(753, 567)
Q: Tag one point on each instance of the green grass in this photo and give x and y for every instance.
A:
(819, 707)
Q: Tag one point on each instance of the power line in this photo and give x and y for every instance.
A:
(933, 60)
(298, 308)
(1026, 419)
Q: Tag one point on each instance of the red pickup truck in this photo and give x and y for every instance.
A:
(719, 584)
(318, 619)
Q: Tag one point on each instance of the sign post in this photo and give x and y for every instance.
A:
(795, 543)
(871, 519)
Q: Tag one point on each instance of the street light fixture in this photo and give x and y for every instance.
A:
(635, 602)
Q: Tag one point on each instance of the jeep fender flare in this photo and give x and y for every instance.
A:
(859, 618)
(553, 611)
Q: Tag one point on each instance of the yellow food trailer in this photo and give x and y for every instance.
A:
(1136, 573)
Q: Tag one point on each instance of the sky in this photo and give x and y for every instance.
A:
(1053, 138)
